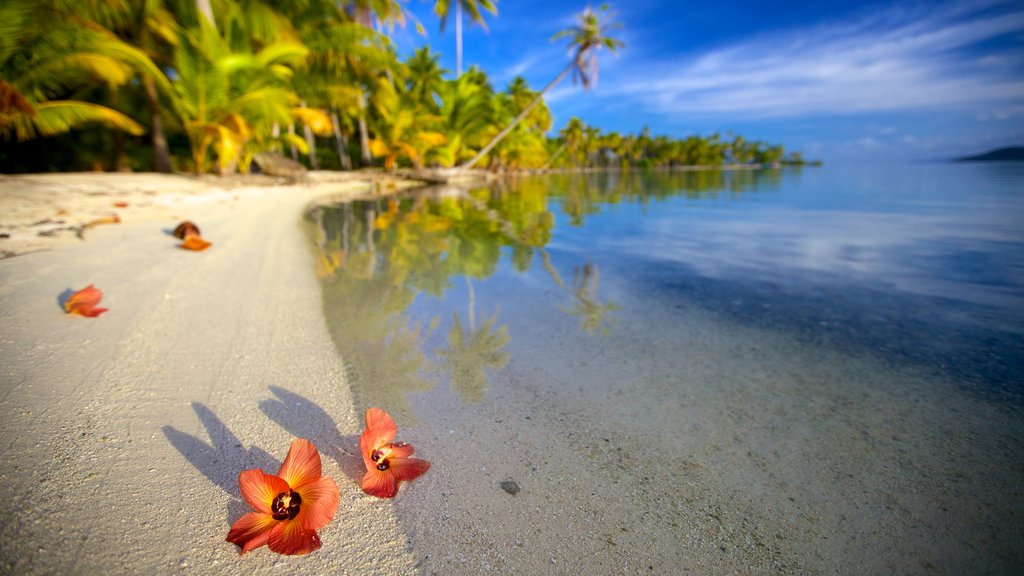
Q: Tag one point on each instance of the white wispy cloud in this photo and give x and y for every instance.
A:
(893, 60)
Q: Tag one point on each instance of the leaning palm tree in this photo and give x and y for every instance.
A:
(443, 9)
(588, 36)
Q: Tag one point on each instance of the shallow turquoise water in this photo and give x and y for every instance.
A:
(828, 359)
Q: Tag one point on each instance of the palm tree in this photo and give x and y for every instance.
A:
(405, 137)
(443, 8)
(526, 145)
(588, 37)
(467, 112)
(231, 98)
(426, 77)
(50, 50)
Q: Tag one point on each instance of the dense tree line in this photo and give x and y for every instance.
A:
(204, 86)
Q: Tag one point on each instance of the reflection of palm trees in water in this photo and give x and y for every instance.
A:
(587, 305)
(372, 280)
(470, 353)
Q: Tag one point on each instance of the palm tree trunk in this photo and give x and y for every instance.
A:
(342, 142)
(554, 156)
(458, 39)
(310, 142)
(206, 9)
(161, 153)
(295, 151)
(364, 138)
(501, 135)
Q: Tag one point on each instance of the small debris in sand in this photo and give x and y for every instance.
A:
(510, 486)
(185, 229)
(112, 219)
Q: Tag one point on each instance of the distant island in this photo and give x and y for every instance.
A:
(1010, 153)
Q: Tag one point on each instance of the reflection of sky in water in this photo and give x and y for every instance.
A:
(749, 346)
(926, 260)
(923, 255)
(920, 263)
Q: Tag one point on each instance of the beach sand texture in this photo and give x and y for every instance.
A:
(123, 436)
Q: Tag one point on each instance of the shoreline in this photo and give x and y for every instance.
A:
(41, 211)
(125, 433)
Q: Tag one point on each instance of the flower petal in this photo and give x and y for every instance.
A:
(86, 310)
(302, 464)
(290, 537)
(195, 243)
(406, 469)
(380, 484)
(319, 503)
(84, 302)
(380, 429)
(251, 531)
(401, 450)
(259, 489)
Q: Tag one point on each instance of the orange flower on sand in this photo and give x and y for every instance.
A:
(84, 302)
(290, 507)
(387, 463)
(193, 240)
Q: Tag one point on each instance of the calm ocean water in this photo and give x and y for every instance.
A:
(831, 359)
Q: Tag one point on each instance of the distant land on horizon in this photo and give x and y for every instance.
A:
(1010, 153)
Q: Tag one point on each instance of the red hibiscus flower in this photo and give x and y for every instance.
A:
(290, 507)
(387, 462)
(84, 302)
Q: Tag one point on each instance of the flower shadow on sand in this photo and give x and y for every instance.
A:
(223, 458)
(63, 297)
(303, 418)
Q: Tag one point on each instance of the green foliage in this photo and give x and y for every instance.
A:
(262, 74)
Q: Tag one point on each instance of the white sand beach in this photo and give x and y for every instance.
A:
(123, 435)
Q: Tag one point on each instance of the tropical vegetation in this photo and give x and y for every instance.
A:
(200, 86)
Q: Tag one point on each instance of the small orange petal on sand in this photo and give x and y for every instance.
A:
(112, 219)
(84, 302)
(194, 243)
(186, 229)
(120, 204)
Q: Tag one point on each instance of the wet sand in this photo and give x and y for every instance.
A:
(724, 449)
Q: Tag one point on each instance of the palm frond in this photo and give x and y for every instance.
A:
(62, 116)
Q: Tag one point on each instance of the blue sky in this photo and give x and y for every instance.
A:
(836, 80)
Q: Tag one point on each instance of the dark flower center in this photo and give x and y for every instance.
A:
(286, 505)
(380, 457)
